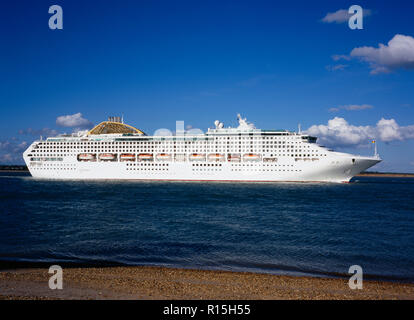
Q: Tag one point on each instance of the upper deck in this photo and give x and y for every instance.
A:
(118, 131)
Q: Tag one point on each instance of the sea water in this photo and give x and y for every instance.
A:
(280, 228)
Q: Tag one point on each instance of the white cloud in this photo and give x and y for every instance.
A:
(352, 107)
(389, 130)
(342, 16)
(399, 53)
(358, 107)
(337, 57)
(11, 151)
(336, 67)
(339, 16)
(338, 132)
(73, 121)
(6, 158)
(13, 146)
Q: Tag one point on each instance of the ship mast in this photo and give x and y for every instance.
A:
(375, 148)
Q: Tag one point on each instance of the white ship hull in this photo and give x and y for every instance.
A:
(333, 169)
(113, 150)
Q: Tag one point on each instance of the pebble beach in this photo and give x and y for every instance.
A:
(149, 283)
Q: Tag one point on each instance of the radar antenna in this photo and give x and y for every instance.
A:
(218, 124)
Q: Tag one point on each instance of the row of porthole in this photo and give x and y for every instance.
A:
(262, 170)
(39, 168)
(147, 164)
(261, 165)
(147, 169)
(45, 165)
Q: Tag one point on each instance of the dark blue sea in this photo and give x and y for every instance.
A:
(297, 229)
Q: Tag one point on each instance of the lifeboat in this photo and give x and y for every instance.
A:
(107, 157)
(163, 157)
(215, 157)
(197, 157)
(86, 157)
(251, 157)
(234, 157)
(145, 157)
(127, 157)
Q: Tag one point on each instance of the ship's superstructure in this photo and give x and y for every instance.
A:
(114, 150)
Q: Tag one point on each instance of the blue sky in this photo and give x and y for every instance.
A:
(156, 62)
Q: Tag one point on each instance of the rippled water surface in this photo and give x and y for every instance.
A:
(277, 228)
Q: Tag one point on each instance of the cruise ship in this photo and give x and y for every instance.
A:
(115, 150)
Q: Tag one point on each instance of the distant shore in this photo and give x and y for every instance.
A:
(13, 168)
(386, 175)
(169, 283)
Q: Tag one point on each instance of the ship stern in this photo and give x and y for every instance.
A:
(27, 155)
